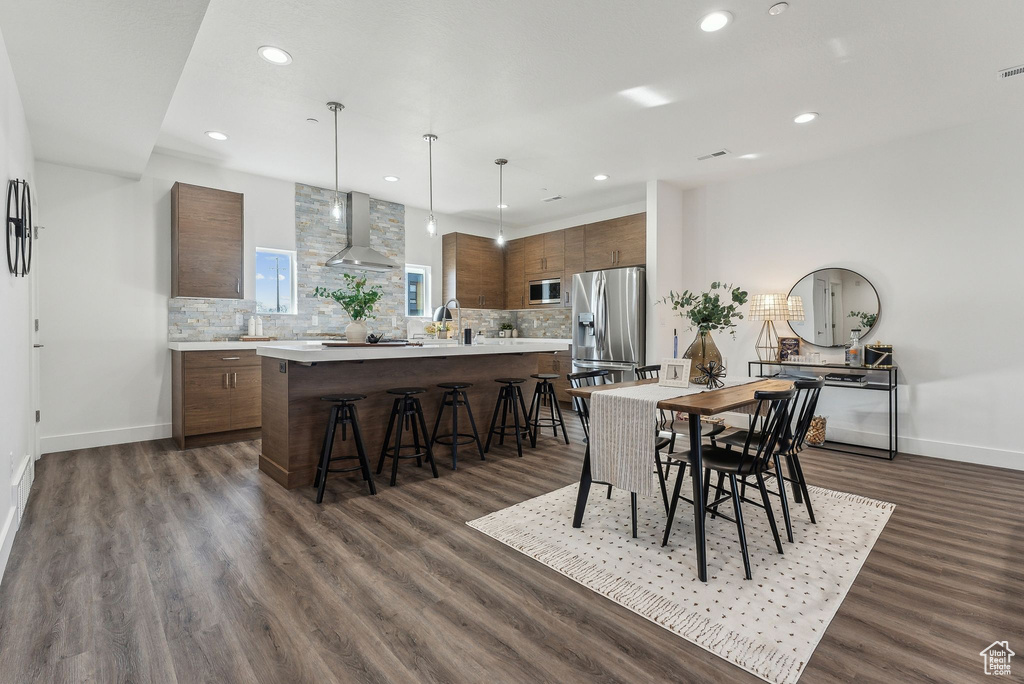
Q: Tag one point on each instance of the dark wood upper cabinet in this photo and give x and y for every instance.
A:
(616, 242)
(575, 259)
(545, 253)
(474, 271)
(515, 274)
(206, 242)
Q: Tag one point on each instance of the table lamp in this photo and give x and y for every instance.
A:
(769, 308)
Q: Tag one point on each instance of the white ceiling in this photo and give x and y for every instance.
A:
(96, 77)
(538, 82)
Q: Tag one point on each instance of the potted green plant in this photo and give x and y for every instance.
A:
(357, 300)
(716, 309)
(504, 330)
(439, 329)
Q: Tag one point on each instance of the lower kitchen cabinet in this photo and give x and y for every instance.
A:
(215, 397)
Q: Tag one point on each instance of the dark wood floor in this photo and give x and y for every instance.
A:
(142, 563)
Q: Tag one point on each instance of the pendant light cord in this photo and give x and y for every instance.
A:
(501, 201)
(337, 198)
(430, 173)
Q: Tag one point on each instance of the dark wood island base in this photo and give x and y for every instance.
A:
(295, 419)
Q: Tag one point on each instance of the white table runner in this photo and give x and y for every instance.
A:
(622, 433)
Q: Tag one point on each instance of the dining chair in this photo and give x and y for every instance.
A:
(754, 459)
(803, 408)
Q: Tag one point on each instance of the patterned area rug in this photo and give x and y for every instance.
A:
(768, 626)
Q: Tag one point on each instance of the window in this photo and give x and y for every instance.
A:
(417, 290)
(275, 281)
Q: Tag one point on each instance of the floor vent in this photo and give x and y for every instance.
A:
(1012, 71)
(23, 483)
(719, 153)
(553, 198)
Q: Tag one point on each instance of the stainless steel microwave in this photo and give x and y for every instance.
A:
(546, 291)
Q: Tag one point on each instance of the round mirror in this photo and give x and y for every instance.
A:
(835, 301)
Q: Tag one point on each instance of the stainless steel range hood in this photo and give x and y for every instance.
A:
(358, 253)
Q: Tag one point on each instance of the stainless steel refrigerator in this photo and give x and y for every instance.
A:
(609, 321)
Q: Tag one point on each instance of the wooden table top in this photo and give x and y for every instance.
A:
(706, 403)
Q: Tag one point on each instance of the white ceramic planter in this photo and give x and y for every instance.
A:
(356, 332)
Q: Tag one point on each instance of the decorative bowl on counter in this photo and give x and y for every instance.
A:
(374, 339)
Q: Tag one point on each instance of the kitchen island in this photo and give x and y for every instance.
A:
(295, 376)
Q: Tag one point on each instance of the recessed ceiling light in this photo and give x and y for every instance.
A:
(275, 55)
(715, 21)
(601, 176)
(806, 117)
(749, 156)
(778, 8)
(503, 206)
(217, 135)
(391, 179)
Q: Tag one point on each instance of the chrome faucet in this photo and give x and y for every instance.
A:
(458, 313)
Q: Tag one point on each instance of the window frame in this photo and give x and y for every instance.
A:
(293, 264)
(427, 287)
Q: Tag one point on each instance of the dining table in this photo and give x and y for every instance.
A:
(695, 406)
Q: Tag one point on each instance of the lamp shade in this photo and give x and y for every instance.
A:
(796, 308)
(769, 307)
(442, 313)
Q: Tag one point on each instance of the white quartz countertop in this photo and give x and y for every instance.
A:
(228, 345)
(311, 352)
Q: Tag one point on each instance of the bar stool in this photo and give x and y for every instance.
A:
(455, 396)
(343, 412)
(406, 411)
(510, 395)
(545, 392)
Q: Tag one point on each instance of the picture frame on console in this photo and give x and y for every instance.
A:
(789, 347)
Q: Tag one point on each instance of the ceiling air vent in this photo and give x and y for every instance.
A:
(1012, 71)
(553, 198)
(719, 153)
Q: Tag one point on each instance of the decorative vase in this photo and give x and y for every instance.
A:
(515, 332)
(442, 334)
(355, 332)
(700, 351)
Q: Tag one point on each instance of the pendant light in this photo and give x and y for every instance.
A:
(431, 221)
(501, 202)
(336, 209)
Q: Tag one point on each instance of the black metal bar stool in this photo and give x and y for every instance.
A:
(343, 412)
(510, 396)
(543, 394)
(406, 411)
(455, 396)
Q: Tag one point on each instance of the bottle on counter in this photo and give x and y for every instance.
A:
(259, 326)
(252, 326)
(855, 350)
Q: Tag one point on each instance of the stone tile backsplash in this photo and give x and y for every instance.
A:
(317, 238)
(554, 323)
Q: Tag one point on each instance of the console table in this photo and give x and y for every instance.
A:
(877, 380)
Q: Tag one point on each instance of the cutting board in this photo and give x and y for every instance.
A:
(367, 344)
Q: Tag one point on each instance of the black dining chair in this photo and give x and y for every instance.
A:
(803, 408)
(754, 459)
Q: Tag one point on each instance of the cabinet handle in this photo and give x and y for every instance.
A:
(234, 380)
(238, 285)
(226, 381)
(231, 358)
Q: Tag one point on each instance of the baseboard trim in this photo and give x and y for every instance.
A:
(88, 440)
(7, 539)
(966, 453)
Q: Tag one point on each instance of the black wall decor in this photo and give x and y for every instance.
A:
(19, 227)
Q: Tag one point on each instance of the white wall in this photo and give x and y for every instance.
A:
(17, 435)
(105, 376)
(936, 223)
